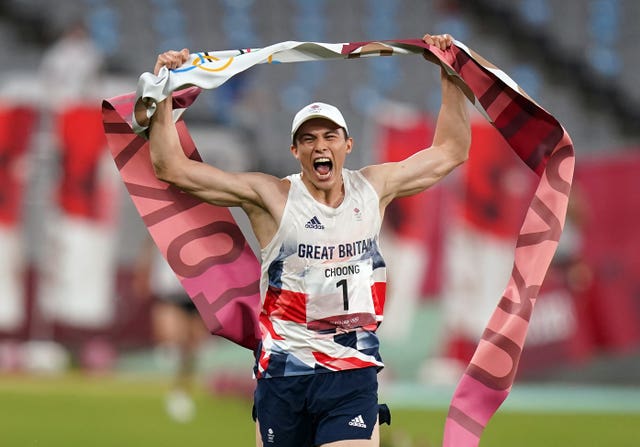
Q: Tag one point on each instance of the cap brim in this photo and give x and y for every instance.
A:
(310, 117)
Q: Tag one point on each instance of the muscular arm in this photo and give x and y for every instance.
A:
(261, 196)
(450, 148)
(207, 182)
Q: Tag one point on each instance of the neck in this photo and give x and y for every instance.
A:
(331, 196)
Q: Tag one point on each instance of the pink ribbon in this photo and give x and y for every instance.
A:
(209, 254)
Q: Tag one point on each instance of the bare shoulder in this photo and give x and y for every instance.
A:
(266, 215)
(268, 191)
(270, 185)
(377, 175)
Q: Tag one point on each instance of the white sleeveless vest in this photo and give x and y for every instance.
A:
(323, 284)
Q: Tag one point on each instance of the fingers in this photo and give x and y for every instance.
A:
(441, 41)
(171, 59)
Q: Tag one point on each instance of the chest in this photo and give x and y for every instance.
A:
(311, 223)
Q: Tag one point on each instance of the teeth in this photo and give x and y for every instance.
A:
(322, 160)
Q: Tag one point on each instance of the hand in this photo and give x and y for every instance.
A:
(442, 41)
(171, 59)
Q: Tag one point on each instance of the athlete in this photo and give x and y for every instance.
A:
(323, 276)
(178, 330)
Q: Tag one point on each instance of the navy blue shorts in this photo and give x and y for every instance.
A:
(315, 409)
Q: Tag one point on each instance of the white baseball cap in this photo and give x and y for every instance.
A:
(318, 110)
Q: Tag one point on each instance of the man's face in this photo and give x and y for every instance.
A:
(321, 146)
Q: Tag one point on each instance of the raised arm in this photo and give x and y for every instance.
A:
(449, 149)
(260, 195)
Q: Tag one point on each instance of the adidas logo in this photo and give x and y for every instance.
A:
(314, 223)
(358, 422)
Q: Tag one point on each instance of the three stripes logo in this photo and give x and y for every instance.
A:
(314, 223)
(358, 421)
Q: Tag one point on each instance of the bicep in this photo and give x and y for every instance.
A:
(411, 175)
(200, 179)
(222, 188)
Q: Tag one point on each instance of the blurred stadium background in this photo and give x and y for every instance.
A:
(70, 238)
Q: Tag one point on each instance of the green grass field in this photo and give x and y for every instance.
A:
(77, 410)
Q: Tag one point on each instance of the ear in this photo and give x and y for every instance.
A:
(294, 151)
(349, 145)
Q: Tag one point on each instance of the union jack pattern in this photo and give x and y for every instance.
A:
(323, 284)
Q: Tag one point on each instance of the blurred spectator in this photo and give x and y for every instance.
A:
(71, 68)
(400, 131)
(17, 122)
(178, 329)
(490, 203)
(77, 269)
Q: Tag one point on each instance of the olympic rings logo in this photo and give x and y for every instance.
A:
(203, 62)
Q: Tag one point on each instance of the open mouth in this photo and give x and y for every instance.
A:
(322, 165)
